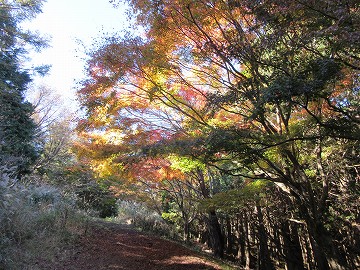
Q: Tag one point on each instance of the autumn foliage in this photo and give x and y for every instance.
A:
(247, 92)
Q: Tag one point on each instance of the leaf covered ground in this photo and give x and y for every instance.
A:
(114, 246)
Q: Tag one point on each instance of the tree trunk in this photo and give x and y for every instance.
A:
(248, 262)
(319, 255)
(215, 235)
(186, 230)
(264, 260)
(229, 237)
(292, 248)
(241, 235)
(317, 244)
(308, 252)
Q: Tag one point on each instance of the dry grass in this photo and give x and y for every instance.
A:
(37, 223)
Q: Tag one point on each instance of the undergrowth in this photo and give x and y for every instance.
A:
(145, 219)
(37, 223)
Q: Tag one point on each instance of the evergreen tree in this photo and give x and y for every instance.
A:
(16, 126)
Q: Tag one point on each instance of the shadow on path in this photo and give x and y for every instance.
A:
(114, 246)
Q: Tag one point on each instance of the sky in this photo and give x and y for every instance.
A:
(73, 25)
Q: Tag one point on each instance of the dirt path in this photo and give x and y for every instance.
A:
(112, 246)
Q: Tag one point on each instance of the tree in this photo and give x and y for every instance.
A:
(266, 90)
(54, 132)
(16, 127)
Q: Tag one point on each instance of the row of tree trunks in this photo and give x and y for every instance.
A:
(264, 261)
(259, 240)
(270, 233)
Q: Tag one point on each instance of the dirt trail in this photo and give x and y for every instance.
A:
(112, 246)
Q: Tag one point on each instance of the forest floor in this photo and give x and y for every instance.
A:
(115, 246)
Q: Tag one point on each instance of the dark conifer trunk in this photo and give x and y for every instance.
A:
(318, 252)
(215, 235)
(241, 242)
(292, 248)
(248, 262)
(229, 237)
(264, 260)
(317, 243)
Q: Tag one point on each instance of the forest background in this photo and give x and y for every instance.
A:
(233, 123)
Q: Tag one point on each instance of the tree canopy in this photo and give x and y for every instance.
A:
(250, 90)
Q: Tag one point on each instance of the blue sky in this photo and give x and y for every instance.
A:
(72, 25)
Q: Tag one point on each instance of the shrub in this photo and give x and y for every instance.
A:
(93, 197)
(145, 219)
